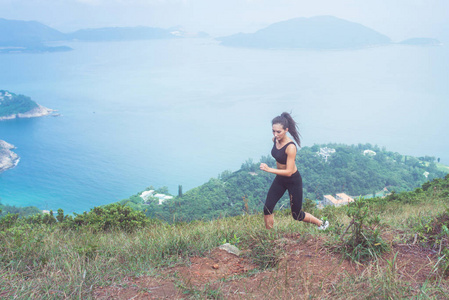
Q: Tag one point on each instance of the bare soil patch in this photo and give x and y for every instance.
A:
(307, 269)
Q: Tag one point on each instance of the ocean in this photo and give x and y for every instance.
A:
(178, 112)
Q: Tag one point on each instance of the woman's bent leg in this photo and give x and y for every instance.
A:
(311, 219)
(296, 197)
(295, 192)
(274, 194)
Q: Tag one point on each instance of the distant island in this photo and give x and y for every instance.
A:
(19, 106)
(131, 34)
(321, 32)
(316, 33)
(28, 36)
(18, 36)
(421, 42)
(119, 34)
(8, 159)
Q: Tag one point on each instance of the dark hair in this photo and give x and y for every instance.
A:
(286, 120)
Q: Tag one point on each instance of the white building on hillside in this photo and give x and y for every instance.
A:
(146, 195)
(4, 94)
(162, 198)
(338, 200)
(369, 152)
(326, 152)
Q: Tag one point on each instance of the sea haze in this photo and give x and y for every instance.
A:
(178, 112)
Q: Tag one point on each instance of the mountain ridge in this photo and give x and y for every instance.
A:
(320, 32)
(32, 36)
(315, 33)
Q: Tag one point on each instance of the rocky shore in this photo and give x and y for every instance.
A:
(39, 111)
(8, 159)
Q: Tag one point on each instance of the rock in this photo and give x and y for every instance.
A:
(230, 249)
(39, 111)
(8, 159)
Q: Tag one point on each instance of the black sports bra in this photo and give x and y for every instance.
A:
(279, 154)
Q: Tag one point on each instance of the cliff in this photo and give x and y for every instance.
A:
(8, 159)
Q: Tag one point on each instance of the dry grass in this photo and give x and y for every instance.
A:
(52, 263)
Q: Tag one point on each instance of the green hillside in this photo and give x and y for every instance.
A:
(384, 248)
(11, 104)
(346, 170)
(20, 211)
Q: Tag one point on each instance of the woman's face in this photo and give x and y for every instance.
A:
(279, 132)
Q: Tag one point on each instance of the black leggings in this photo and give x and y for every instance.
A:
(294, 186)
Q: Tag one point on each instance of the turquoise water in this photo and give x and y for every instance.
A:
(164, 113)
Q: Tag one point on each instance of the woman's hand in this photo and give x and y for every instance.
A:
(264, 167)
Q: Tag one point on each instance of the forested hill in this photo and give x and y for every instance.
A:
(363, 169)
(11, 104)
(355, 170)
(20, 106)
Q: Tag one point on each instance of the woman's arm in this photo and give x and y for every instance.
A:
(290, 167)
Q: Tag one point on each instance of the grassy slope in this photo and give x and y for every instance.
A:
(53, 263)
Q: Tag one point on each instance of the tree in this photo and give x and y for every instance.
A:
(248, 165)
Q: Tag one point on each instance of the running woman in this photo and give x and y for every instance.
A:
(287, 175)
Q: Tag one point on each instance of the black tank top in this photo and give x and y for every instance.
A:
(279, 154)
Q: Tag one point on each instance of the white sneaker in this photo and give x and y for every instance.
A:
(324, 225)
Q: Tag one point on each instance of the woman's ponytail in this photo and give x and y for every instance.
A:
(286, 120)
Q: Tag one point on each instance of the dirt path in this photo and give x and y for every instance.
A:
(307, 270)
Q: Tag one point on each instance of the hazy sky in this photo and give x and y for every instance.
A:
(398, 19)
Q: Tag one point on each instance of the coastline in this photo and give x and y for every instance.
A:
(39, 111)
(8, 159)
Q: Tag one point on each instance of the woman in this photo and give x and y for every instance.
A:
(287, 175)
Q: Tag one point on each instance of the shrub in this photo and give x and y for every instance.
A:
(112, 217)
(363, 240)
(8, 221)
